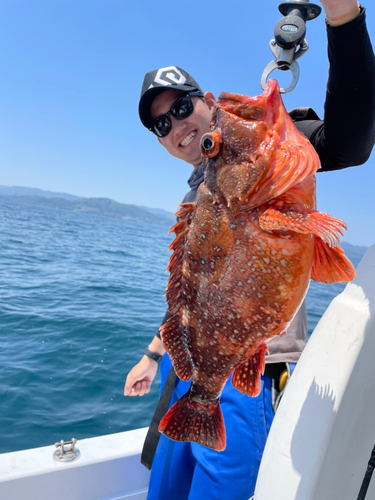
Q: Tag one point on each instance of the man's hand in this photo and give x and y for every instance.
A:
(338, 8)
(139, 380)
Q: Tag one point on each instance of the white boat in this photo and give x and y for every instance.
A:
(108, 468)
(320, 441)
(323, 434)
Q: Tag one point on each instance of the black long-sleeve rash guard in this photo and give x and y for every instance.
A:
(344, 138)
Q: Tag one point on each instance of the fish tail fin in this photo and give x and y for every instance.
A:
(330, 265)
(189, 420)
(246, 377)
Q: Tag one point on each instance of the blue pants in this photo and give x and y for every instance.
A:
(190, 471)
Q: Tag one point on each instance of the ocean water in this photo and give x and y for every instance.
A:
(80, 298)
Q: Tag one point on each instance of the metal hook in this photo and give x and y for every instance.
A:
(283, 63)
(294, 68)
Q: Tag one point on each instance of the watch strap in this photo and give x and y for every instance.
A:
(152, 355)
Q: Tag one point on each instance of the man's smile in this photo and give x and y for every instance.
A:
(187, 140)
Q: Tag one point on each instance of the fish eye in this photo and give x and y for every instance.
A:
(210, 144)
(207, 144)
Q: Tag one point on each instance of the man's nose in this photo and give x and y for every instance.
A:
(178, 124)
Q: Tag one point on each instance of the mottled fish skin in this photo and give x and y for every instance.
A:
(243, 256)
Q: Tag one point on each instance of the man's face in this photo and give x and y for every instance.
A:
(183, 141)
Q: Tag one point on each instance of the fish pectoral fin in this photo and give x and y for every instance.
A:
(330, 265)
(190, 420)
(175, 346)
(246, 377)
(304, 221)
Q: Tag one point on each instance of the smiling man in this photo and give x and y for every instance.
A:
(177, 111)
(173, 107)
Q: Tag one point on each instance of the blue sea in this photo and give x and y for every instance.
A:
(80, 298)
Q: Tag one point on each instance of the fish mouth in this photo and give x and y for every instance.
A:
(188, 139)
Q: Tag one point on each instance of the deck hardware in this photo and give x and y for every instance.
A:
(66, 452)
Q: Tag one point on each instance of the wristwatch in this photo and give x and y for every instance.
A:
(152, 355)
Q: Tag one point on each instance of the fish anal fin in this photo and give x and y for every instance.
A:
(246, 377)
(330, 265)
(190, 420)
(305, 221)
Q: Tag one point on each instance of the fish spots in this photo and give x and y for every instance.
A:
(238, 293)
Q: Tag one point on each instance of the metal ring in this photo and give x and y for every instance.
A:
(294, 68)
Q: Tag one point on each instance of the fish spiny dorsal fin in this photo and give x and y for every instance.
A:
(172, 331)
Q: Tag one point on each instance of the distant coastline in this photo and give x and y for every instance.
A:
(96, 206)
(110, 208)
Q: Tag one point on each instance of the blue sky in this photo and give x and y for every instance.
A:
(71, 72)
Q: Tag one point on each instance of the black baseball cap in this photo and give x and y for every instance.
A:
(158, 80)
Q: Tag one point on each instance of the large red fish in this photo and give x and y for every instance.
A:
(243, 257)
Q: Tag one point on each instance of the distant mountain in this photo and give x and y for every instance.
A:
(160, 212)
(25, 191)
(353, 252)
(95, 206)
(98, 206)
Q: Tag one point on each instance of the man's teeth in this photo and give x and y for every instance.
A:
(188, 139)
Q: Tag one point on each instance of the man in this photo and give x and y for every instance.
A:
(173, 107)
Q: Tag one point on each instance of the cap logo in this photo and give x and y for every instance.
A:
(169, 76)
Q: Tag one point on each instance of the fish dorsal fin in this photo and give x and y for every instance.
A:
(172, 332)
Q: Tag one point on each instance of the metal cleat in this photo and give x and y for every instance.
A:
(66, 452)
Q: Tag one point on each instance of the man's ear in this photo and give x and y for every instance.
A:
(210, 100)
(158, 138)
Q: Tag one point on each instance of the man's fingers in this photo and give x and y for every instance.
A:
(145, 387)
(139, 379)
(139, 388)
(128, 385)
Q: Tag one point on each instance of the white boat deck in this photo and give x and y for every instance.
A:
(109, 468)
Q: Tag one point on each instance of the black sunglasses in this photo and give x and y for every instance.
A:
(180, 109)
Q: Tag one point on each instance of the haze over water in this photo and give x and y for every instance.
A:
(80, 298)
